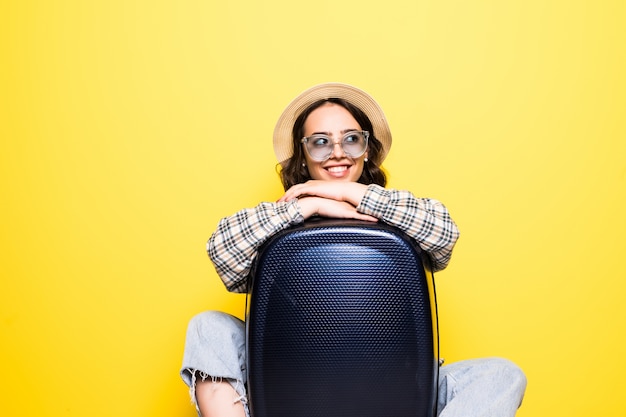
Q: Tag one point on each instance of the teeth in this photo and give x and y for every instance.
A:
(337, 169)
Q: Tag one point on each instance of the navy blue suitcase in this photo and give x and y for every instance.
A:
(341, 321)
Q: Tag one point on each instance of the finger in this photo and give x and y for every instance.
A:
(367, 218)
(293, 192)
(289, 195)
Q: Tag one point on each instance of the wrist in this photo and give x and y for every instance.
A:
(307, 208)
(355, 194)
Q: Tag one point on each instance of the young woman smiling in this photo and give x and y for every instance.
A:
(330, 142)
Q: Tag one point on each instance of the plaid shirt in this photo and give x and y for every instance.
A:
(233, 247)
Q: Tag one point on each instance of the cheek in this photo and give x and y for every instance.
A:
(312, 167)
(316, 172)
(358, 170)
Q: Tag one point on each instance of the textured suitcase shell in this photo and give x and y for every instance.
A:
(342, 321)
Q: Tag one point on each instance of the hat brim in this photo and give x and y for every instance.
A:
(283, 142)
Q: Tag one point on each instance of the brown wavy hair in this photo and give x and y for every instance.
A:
(293, 171)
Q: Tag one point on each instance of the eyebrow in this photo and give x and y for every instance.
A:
(343, 132)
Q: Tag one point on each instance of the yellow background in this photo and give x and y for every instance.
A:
(129, 127)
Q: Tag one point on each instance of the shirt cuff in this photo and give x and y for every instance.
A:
(293, 212)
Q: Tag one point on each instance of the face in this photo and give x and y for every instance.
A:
(333, 120)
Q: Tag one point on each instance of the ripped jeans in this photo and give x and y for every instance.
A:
(215, 349)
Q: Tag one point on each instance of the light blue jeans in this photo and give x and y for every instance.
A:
(215, 349)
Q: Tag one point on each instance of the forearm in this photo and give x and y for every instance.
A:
(234, 245)
(426, 221)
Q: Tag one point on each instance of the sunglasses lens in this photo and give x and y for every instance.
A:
(320, 147)
(354, 144)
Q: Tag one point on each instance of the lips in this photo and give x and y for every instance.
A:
(338, 171)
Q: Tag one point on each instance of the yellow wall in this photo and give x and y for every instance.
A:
(129, 127)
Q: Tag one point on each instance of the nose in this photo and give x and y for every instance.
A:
(337, 152)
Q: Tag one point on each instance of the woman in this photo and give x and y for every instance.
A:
(330, 141)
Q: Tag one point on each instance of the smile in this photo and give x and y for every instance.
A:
(337, 169)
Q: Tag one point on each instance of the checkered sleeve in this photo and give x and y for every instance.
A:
(425, 220)
(234, 245)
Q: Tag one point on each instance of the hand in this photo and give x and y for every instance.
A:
(351, 192)
(326, 207)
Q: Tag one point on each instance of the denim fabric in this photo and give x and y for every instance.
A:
(489, 387)
(215, 348)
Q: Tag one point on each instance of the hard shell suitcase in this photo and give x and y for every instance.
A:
(342, 322)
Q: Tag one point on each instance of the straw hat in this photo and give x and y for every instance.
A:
(283, 143)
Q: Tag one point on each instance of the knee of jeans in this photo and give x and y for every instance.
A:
(512, 373)
(208, 323)
(204, 319)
